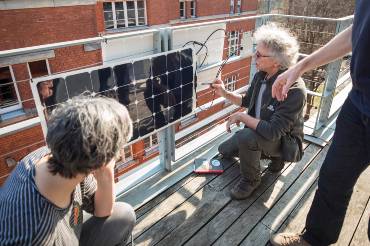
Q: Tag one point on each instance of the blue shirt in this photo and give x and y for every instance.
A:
(360, 64)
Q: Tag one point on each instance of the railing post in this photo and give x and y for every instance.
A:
(167, 135)
(332, 77)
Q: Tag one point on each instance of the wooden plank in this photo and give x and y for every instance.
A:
(278, 214)
(360, 237)
(222, 221)
(356, 206)
(250, 217)
(259, 236)
(158, 199)
(296, 220)
(205, 211)
(160, 222)
(281, 210)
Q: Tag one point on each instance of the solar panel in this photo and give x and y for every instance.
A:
(157, 90)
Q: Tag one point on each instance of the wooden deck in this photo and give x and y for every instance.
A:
(198, 210)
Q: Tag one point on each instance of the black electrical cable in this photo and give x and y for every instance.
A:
(203, 45)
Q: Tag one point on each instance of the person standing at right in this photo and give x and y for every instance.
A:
(349, 153)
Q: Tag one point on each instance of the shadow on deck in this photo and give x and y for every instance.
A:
(197, 210)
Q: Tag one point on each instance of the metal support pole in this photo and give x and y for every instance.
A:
(333, 70)
(165, 136)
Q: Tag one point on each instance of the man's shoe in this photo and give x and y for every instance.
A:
(288, 239)
(276, 165)
(242, 190)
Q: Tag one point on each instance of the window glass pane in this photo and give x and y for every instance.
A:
(107, 6)
(140, 4)
(38, 68)
(131, 14)
(141, 13)
(119, 5)
(109, 25)
(128, 153)
(141, 21)
(8, 95)
(154, 139)
(182, 9)
(120, 15)
(130, 5)
(147, 143)
(108, 16)
(121, 23)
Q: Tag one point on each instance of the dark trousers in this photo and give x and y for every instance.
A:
(111, 231)
(248, 145)
(347, 158)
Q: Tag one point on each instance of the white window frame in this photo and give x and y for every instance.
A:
(230, 84)
(126, 15)
(124, 160)
(183, 11)
(152, 147)
(193, 8)
(18, 105)
(47, 67)
(232, 6)
(239, 6)
(234, 43)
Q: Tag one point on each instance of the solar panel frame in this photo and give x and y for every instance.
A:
(159, 96)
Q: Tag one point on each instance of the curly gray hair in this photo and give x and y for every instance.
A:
(85, 133)
(280, 41)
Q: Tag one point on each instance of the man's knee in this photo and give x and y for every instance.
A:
(248, 138)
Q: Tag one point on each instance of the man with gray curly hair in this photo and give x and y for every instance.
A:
(273, 129)
(44, 199)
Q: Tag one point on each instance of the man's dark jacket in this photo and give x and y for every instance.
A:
(278, 119)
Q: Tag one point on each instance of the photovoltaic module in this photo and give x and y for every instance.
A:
(157, 90)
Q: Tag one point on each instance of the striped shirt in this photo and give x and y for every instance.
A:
(28, 218)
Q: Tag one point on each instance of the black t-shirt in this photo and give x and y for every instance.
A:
(360, 64)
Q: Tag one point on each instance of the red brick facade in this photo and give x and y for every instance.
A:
(37, 26)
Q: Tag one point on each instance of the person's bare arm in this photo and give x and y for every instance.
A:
(339, 46)
(104, 195)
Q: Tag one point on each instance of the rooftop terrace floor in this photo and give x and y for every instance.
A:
(198, 210)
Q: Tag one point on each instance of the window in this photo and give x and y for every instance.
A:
(234, 43)
(192, 9)
(127, 154)
(150, 144)
(8, 90)
(231, 83)
(239, 6)
(121, 14)
(38, 68)
(231, 6)
(182, 10)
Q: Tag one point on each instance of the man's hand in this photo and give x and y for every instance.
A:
(219, 87)
(233, 119)
(283, 83)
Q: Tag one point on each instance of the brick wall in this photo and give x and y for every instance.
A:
(17, 146)
(29, 27)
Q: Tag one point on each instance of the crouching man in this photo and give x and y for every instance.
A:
(273, 129)
(43, 200)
